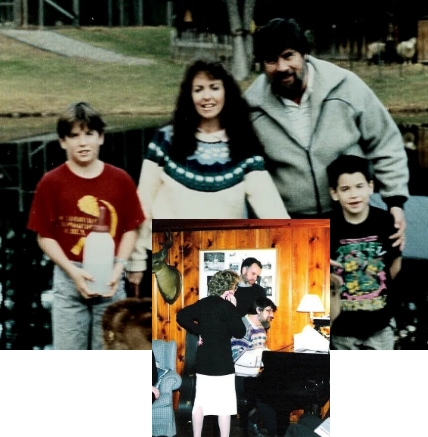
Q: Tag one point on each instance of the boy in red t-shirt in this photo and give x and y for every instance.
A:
(65, 207)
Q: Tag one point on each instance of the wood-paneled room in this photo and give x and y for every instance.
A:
(303, 256)
(302, 263)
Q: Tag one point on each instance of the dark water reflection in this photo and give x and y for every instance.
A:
(26, 274)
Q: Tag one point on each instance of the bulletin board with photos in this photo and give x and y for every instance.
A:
(213, 261)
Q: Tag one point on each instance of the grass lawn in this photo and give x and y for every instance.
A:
(400, 87)
(146, 42)
(35, 82)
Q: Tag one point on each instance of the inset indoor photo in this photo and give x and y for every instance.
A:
(241, 327)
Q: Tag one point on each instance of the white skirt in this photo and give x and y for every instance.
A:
(216, 395)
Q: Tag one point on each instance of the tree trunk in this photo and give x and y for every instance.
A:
(240, 69)
(248, 18)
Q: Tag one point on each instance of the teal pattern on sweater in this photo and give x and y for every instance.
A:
(209, 169)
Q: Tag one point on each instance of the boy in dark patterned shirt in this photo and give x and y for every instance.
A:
(361, 246)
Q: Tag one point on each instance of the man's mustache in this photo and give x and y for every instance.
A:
(284, 75)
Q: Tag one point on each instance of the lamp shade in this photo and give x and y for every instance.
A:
(310, 303)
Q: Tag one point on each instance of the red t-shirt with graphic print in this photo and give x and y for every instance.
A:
(66, 206)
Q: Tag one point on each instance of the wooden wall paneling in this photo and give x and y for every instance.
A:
(165, 313)
(155, 293)
(156, 296)
(191, 246)
(316, 263)
(163, 309)
(262, 239)
(225, 239)
(246, 238)
(323, 261)
(176, 259)
(281, 334)
(300, 277)
(327, 270)
(208, 240)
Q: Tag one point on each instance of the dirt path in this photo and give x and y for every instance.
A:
(62, 45)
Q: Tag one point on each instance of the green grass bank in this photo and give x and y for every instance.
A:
(38, 84)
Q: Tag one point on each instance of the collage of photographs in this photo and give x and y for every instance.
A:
(269, 161)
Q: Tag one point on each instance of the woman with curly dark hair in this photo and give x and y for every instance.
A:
(207, 162)
(223, 109)
(215, 320)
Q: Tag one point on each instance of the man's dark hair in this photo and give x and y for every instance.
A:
(249, 262)
(260, 304)
(348, 164)
(278, 35)
(81, 113)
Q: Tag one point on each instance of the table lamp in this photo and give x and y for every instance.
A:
(310, 303)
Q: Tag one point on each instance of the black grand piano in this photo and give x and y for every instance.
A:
(289, 381)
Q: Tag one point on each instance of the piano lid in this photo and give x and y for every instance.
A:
(300, 365)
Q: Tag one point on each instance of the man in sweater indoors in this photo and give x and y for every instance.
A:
(248, 351)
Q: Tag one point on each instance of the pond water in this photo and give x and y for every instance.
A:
(26, 274)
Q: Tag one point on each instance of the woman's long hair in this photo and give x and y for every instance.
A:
(234, 117)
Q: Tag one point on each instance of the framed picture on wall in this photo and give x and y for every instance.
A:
(212, 261)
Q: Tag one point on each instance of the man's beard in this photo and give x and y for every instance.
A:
(289, 91)
(265, 324)
(247, 282)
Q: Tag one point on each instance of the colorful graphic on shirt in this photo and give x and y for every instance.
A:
(363, 274)
(78, 225)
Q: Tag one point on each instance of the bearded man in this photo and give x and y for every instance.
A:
(306, 112)
(247, 352)
(248, 288)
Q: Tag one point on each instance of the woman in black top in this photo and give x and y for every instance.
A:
(215, 320)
